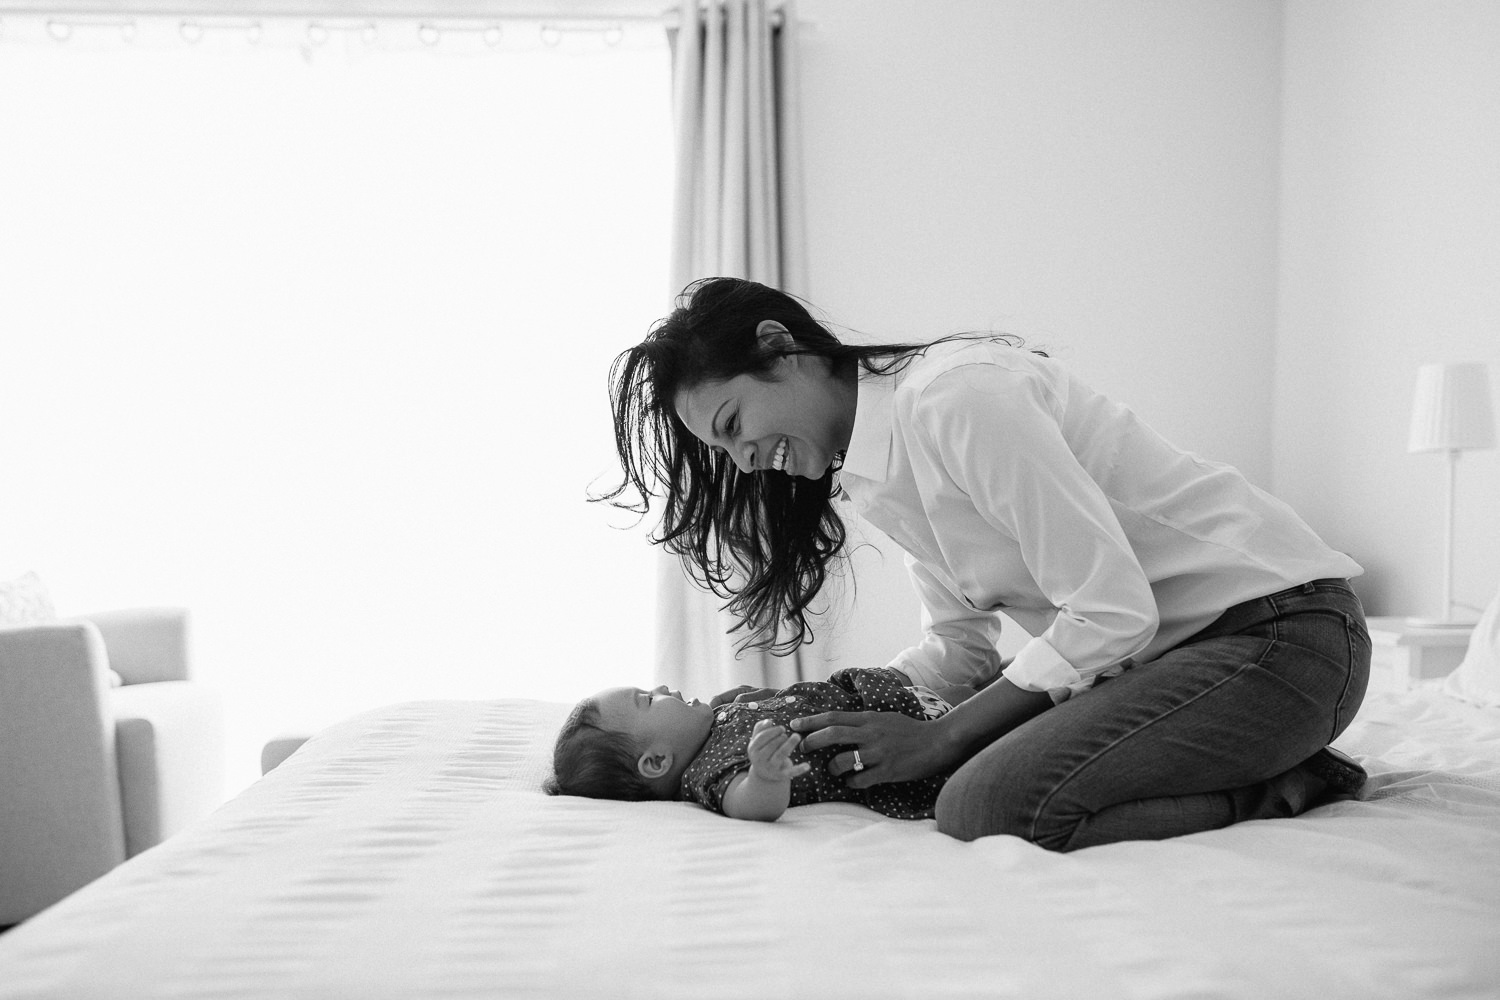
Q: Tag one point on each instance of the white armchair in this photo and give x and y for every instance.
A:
(92, 773)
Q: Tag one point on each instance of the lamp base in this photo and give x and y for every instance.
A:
(1438, 623)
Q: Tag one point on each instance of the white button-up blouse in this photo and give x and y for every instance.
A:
(1014, 487)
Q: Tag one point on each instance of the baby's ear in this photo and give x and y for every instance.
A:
(654, 765)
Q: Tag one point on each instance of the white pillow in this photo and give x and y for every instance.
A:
(1477, 678)
(25, 601)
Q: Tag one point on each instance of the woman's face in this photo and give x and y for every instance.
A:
(792, 424)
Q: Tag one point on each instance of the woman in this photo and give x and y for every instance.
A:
(1194, 644)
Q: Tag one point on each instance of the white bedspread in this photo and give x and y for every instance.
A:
(408, 852)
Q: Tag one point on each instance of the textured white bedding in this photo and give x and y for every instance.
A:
(408, 852)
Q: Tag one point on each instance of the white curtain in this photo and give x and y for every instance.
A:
(736, 212)
(310, 338)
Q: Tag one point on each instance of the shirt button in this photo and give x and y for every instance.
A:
(752, 705)
(723, 715)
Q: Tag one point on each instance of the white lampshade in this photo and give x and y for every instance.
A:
(1451, 411)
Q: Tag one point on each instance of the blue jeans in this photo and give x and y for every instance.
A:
(1207, 734)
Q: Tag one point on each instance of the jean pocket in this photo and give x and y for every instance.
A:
(1358, 681)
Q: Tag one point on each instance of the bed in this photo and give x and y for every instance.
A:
(409, 852)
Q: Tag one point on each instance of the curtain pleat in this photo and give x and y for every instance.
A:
(736, 127)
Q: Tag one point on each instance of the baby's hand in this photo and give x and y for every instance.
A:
(771, 749)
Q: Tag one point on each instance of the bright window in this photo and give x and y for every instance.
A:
(312, 338)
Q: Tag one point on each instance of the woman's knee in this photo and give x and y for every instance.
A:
(980, 801)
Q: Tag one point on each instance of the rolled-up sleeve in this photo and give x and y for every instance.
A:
(998, 435)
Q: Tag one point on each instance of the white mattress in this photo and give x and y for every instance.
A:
(408, 852)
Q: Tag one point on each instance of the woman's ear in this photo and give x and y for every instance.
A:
(773, 335)
(654, 765)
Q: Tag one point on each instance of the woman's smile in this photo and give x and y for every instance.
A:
(744, 416)
(779, 454)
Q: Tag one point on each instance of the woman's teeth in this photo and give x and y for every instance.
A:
(778, 457)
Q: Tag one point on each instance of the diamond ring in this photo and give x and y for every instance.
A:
(859, 765)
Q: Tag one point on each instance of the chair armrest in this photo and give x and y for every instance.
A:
(279, 748)
(145, 644)
(60, 824)
(169, 739)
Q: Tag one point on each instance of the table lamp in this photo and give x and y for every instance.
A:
(1450, 413)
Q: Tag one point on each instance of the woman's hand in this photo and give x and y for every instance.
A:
(744, 692)
(892, 747)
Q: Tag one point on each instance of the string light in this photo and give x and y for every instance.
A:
(552, 34)
(319, 32)
(195, 31)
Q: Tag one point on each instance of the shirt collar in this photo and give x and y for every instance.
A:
(869, 451)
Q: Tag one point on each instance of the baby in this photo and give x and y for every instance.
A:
(739, 759)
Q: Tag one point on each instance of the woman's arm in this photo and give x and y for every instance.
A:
(999, 435)
(958, 644)
(894, 747)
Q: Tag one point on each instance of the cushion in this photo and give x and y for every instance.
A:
(1477, 678)
(25, 601)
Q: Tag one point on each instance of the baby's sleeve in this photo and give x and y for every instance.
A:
(707, 778)
(879, 689)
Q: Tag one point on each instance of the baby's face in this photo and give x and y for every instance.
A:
(657, 716)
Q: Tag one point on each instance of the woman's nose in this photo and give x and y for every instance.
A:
(663, 689)
(744, 458)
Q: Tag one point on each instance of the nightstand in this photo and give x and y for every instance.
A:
(1403, 655)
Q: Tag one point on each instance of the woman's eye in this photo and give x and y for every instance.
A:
(733, 427)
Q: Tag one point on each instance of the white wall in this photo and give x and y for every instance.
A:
(1099, 177)
(1390, 257)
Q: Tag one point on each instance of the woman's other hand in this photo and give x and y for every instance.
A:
(744, 692)
(892, 747)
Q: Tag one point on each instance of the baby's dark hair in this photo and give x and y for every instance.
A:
(595, 762)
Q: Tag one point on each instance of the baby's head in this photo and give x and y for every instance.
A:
(626, 743)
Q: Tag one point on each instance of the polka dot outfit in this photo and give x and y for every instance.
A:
(870, 690)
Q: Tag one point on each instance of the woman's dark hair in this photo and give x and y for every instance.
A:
(765, 543)
(595, 762)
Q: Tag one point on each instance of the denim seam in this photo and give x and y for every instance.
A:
(1042, 806)
(1277, 605)
(1338, 708)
